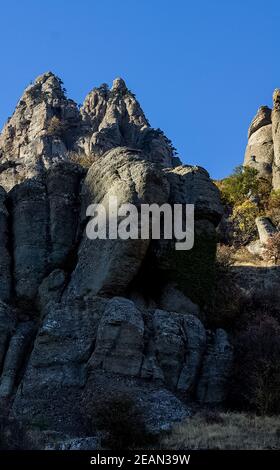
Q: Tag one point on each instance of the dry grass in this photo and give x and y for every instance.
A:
(243, 257)
(227, 431)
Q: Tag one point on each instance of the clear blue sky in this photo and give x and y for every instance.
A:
(200, 69)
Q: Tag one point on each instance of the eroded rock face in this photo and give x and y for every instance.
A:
(110, 341)
(63, 189)
(100, 315)
(5, 257)
(263, 149)
(56, 371)
(7, 325)
(15, 357)
(30, 236)
(259, 152)
(192, 185)
(216, 368)
(106, 267)
(120, 339)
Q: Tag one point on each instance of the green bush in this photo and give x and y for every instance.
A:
(243, 221)
(237, 187)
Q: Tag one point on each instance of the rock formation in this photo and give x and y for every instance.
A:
(265, 230)
(263, 149)
(79, 315)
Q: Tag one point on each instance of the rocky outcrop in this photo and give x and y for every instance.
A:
(263, 149)
(100, 315)
(110, 341)
(259, 152)
(39, 133)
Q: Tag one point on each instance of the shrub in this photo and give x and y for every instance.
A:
(239, 186)
(273, 207)
(256, 374)
(55, 127)
(120, 421)
(272, 249)
(243, 220)
(82, 159)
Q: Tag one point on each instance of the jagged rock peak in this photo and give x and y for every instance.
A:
(45, 87)
(119, 85)
(40, 132)
(47, 127)
(115, 104)
(114, 118)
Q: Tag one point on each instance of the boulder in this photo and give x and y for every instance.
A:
(107, 266)
(265, 229)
